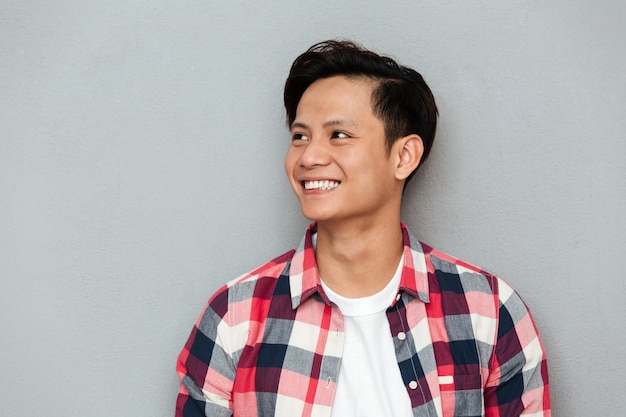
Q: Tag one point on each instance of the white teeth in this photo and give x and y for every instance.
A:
(320, 185)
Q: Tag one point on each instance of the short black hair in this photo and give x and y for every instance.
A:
(401, 98)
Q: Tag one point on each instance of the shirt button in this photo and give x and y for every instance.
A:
(401, 336)
(413, 384)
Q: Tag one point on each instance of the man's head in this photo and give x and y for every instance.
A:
(400, 97)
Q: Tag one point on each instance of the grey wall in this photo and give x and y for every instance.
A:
(141, 147)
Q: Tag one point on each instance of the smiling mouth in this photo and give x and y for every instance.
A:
(320, 185)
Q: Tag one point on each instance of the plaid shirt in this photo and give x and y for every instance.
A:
(270, 343)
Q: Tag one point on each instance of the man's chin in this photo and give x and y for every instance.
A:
(316, 216)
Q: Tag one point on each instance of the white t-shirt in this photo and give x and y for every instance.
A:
(369, 383)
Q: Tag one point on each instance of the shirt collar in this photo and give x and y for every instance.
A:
(304, 278)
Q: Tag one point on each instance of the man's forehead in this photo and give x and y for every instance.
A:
(349, 98)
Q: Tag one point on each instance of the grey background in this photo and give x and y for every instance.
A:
(141, 147)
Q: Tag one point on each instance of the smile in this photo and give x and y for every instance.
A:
(320, 185)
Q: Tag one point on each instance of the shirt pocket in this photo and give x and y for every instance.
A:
(461, 395)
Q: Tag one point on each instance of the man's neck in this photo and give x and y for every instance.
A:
(358, 260)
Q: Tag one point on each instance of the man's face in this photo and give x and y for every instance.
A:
(337, 162)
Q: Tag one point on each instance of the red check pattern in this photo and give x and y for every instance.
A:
(269, 343)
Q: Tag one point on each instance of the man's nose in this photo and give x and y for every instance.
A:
(314, 154)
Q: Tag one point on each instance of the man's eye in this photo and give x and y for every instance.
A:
(299, 136)
(340, 135)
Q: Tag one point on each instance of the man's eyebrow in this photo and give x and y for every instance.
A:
(299, 125)
(340, 122)
(327, 124)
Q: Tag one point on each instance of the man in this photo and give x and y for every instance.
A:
(361, 319)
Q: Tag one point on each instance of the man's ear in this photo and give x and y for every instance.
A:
(409, 150)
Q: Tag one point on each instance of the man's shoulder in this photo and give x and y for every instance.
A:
(272, 269)
(265, 275)
(458, 275)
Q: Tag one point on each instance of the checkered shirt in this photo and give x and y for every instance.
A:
(270, 343)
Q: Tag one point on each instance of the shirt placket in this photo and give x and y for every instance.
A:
(412, 367)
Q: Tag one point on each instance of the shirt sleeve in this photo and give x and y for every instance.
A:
(205, 365)
(518, 378)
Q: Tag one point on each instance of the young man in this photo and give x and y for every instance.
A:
(361, 319)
